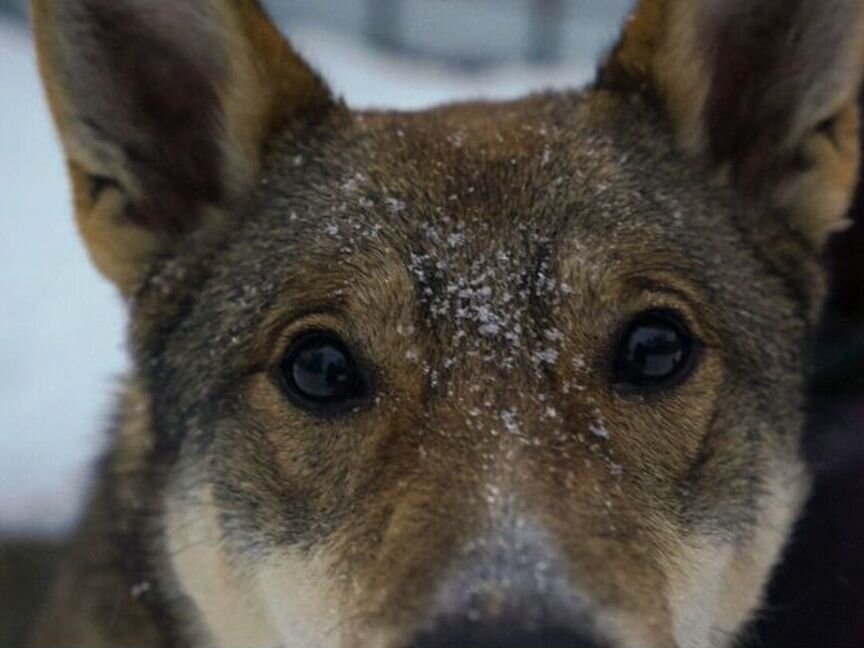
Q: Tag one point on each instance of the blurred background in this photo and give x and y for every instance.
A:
(62, 326)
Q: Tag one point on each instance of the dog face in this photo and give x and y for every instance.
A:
(490, 452)
(511, 374)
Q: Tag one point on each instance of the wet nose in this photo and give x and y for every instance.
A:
(465, 633)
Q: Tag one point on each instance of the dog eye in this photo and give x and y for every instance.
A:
(318, 372)
(657, 351)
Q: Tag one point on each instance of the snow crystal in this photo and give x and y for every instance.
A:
(140, 589)
(394, 205)
(547, 356)
(598, 429)
(455, 239)
(489, 329)
(553, 335)
(509, 418)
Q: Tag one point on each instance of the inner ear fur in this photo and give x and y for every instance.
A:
(164, 108)
(764, 91)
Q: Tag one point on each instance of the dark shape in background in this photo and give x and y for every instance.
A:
(816, 599)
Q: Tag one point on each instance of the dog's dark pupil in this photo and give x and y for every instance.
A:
(655, 350)
(320, 369)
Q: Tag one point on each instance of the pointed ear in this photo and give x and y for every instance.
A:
(163, 108)
(764, 90)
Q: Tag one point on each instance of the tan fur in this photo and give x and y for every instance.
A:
(817, 199)
(659, 53)
(233, 616)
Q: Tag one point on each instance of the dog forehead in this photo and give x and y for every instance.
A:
(489, 204)
(478, 209)
(480, 190)
(484, 171)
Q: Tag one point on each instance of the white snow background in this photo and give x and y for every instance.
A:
(61, 324)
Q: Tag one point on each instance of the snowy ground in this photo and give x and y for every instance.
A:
(61, 325)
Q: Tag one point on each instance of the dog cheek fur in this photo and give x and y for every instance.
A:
(280, 596)
(714, 585)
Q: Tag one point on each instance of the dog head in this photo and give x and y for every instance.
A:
(508, 374)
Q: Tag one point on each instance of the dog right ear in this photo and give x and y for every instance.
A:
(763, 91)
(163, 108)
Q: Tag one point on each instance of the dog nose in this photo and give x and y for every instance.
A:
(466, 633)
(512, 591)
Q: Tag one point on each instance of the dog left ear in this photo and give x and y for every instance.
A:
(164, 108)
(765, 91)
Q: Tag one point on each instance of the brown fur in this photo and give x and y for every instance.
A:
(482, 260)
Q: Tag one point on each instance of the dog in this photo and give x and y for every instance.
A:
(489, 375)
